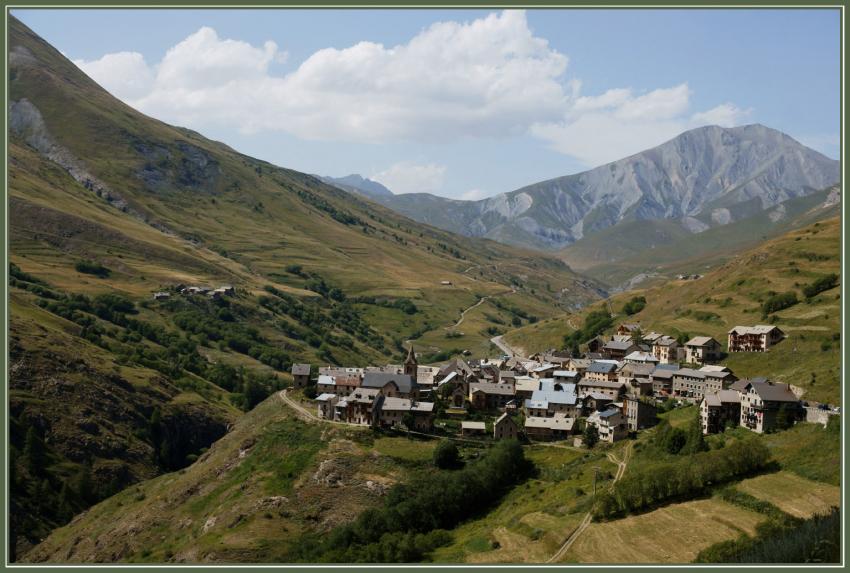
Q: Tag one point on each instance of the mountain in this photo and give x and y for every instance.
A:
(108, 385)
(704, 178)
(355, 183)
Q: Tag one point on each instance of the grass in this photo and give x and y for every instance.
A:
(533, 519)
(672, 534)
(405, 449)
(793, 494)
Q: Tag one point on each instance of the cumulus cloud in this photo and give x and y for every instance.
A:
(124, 74)
(409, 177)
(618, 123)
(488, 78)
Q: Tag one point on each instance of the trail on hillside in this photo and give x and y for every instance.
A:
(585, 522)
(507, 348)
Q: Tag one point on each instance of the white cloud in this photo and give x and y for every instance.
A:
(724, 115)
(618, 123)
(491, 77)
(408, 177)
(124, 74)
(474, 195)
(488, 77)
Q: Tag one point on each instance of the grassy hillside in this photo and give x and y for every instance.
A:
(107, 206)
(658, 250)
(733, 294)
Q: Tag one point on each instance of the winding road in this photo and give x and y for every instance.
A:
(507, 348)
(586, 520)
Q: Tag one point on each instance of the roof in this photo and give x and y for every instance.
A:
(663, 374)
(300, 369)
(527, 384)
(381, 379)
(507, 374)
(559, 423)
(689, 373)
(602, 367)
(422, 407)
(544, 367)
(608, 413)
(641, 356)
(537, 404)
(638, 369)
(396, 404)
(600, 384)
(324, 397)
(599, 396)
(773, 391)
(629, 326)
(701, 341)
(757, 329)
(665, 341)
(451, 376)
(619, 344)
(473, 426)
(490, 388)
(714, 368)
(504, 417)
(567, 396)
(724, 396)
(363, 395)
(565, 374)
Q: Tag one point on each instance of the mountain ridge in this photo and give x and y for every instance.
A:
(705, 177)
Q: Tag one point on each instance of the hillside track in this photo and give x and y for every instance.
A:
(588, 518)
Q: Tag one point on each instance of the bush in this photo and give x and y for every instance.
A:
(446, 455)
(634, 306)
(92, 268)
(778, 302)
(823, 283)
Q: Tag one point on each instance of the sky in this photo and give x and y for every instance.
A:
(460, 103)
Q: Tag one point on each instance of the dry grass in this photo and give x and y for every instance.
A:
(793, 494)
(673, 534)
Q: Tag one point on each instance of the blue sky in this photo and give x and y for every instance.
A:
(460, 103)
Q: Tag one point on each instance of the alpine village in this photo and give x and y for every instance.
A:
(216, 360)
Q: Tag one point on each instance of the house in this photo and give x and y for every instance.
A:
(662, 379)
(689, 384)
(392, 413)
(300, 375)
(595, 344)
(570, 376)
(504, 428)
(507, 377)
(488, 396)
(639, 414)
(342, 384)
(757, 338)
(702, 349)
(717, 378)
(549, 428)
(549, 401)
(426, 376)
(610, 423)
(326, 403)
(761, 401)
(391, 385)
(600, 371)
(637, 378)
(446, 283)
(666, 349)
(626, 329)
(610, 387)
(640, 357)
(545, 370)
(469, 428)
(651, 337)
(617, 349)
(596, 401)
(525, 386)
(719, 408)
(457, 399)
(579, 365)
(358, 407)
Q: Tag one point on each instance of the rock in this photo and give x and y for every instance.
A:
(209, 523)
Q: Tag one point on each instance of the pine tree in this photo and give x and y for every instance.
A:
(34, 454)
(591, 435)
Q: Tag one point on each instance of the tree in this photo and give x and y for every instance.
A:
(408, 420)
(591, 435)
(637, 336)
(695, 441)
(784, 418)
(34, 454)
(446, 455)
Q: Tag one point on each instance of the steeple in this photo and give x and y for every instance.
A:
(410, 364)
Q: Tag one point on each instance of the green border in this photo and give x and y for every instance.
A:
(423, 4)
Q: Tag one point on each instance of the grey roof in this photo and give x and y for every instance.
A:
(568, 396)
(608, 413)
(565, 424)
(600, 384)
(380, 379)
(300, 369)
(619, 345)
(700, 341)
(689, 373)
(602, 367)
(774, 391)
(565, 374)
(757, 329)
(473, 426)
(490, 388)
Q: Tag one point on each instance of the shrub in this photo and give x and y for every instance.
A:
(779, 302)
(92, 268)
(635, 305)
(446, 455)
(823, 283)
